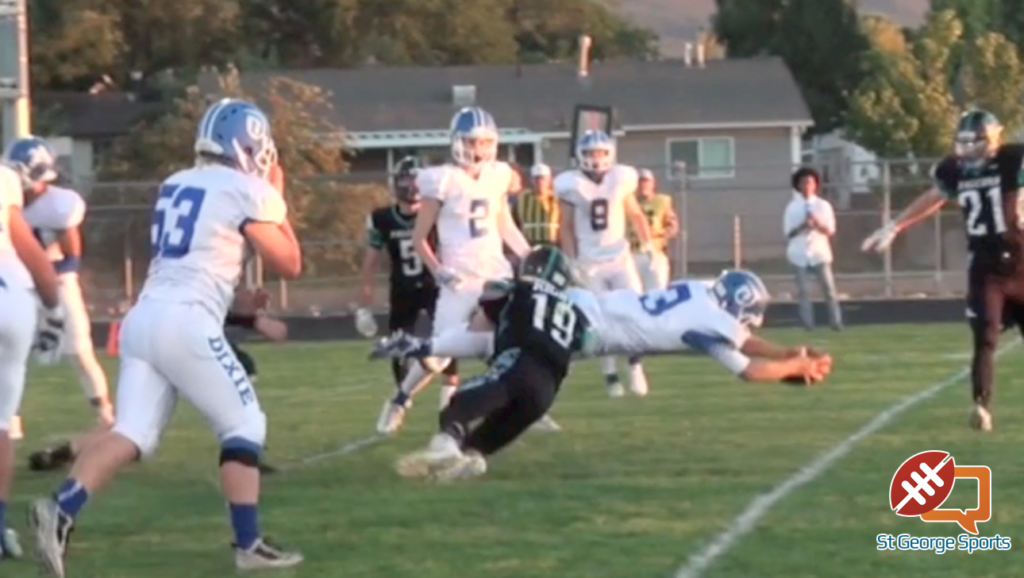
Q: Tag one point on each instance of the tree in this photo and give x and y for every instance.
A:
(820, 40)
(310, 148)
(910, 99)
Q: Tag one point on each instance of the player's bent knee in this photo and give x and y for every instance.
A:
(240, 451)
(145, 443)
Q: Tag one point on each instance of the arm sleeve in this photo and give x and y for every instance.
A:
(942, 177)
(70, 212)
(374, 236)
(263, 204)
(428, 183)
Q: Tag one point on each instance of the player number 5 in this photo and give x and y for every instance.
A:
(562, 319)
(412, 265)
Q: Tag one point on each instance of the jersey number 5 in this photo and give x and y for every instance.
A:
(559, 323)
(412, 265)
(174, 220)
(973, 203)
(599, 215)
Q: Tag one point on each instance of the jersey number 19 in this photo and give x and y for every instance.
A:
(559, 322)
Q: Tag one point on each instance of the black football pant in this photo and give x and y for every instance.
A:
(994, 303)
(405, 313)
(503, 403)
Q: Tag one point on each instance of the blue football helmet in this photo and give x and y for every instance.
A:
(743, 295)
(237, 133)
(595, 152)
(474, 137)
(33, 159)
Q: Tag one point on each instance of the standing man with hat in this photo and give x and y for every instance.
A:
(809, 223)
(664, 224)
(536, 210)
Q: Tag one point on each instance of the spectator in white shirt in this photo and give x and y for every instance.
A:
(808, 223)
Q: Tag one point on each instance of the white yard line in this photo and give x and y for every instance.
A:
(757, 509)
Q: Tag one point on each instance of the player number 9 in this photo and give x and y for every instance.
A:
(599, 215)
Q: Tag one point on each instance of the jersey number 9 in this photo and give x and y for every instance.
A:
(599, 215)
(559, 323)
(174, 220)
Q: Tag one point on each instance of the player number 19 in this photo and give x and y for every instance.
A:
(972, 202)
(562, 319)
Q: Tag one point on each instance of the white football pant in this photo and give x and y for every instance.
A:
(78, 346)
(17, 333)
(653, 269)
(171, 349)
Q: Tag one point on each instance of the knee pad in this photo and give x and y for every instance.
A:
(240, 451)
(252, 433)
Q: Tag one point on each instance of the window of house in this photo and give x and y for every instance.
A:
(705, 158)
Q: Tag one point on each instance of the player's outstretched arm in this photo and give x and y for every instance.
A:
(426, 219)
(759, 347)
(808, 369)
(34, 257)
(510, 233)
(925, 205)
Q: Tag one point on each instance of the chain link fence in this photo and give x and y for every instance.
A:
(724, 223)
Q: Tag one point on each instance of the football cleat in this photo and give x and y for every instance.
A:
(442, 454)
(52, 529)
(615, 389)
(391, 417)
(546, 424)
(10, 548)
(981, 418)
(264, 554)
(637, 381)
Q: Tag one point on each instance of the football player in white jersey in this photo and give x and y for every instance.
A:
(55, 215)
(466, 201)
(23, 266)
(172, 340)
(597, 199)
(690, 316)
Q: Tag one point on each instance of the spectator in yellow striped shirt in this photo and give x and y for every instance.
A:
(661, 217)
(536, 211)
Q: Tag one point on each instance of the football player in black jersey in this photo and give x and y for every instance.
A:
(412, 288)
(984, 177)
(537, 331)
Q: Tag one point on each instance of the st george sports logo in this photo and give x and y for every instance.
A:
(918, 489)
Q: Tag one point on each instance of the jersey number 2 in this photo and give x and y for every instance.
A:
(973, 203)
(562, 319)
(174, 220)
(479, 209)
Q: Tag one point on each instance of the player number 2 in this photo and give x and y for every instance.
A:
(562, 319)
(412, 265)
(599, 215)
(174, 220)
(479, 210)
(973, 203)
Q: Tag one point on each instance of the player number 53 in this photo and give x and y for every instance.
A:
(562, 320)
(174, 220)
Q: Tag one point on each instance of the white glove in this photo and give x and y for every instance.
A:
(366, 325)
(880, 240)
(447, 278)
(49, 345)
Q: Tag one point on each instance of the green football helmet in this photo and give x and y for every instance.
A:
(978, 135)
(550, 264)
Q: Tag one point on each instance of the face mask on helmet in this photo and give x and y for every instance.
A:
(477, 148)
(404, 188)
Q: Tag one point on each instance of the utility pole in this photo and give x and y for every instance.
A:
(14, 88)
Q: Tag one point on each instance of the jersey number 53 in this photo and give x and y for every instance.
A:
(174, 220)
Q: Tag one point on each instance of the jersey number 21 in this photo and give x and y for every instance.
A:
(174, 220)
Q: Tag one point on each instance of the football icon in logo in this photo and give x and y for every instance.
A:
(922, 483)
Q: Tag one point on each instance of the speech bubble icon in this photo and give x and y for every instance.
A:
(968, 519)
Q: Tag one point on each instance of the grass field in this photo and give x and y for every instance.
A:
(631, 489)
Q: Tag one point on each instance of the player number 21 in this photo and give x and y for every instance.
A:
(972, 202)
(174, 220)
(562, 319)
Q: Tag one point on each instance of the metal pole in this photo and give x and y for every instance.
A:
(14, 87)
(737, 242)
(886, 217)
(683, 252)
